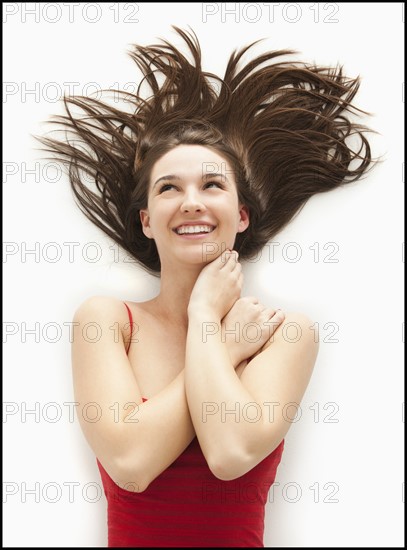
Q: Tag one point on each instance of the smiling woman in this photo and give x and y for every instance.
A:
(201, 208)
(189, 183)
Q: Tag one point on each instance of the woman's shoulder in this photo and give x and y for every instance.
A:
(296, 326)
(297, 318)
(106, 311)
(109, 309)
(103, 306)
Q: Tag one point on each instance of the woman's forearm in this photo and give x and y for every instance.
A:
(156, 432)
(216, 397)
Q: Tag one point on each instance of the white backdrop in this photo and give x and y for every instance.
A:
(340, 482)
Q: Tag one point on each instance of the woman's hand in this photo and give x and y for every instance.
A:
(218, 286)
(247, 327)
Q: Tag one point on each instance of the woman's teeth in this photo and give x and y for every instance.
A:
(194, 229)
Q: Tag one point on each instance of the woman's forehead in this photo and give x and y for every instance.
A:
(192, 160)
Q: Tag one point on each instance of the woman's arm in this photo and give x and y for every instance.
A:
(134, 441)
(240, 421)
(221, 405)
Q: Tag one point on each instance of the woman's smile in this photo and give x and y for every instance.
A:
(194, 230)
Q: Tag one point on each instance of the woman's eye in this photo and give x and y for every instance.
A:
(168, 186)
(214, 183)
(165, 187)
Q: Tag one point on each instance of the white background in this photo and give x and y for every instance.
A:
(348, 440)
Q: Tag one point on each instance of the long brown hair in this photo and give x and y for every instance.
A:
(285, 127)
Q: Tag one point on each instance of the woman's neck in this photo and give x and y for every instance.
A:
(171, 304)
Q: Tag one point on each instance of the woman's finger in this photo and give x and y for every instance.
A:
(269, 312)
(227, 259)
(279, 315)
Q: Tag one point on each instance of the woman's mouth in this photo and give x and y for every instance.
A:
(194, 231)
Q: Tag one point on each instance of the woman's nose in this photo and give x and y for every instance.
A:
(192, 202)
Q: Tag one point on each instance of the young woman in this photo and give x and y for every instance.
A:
(191, 392)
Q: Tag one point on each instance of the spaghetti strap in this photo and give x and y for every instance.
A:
(131, 325)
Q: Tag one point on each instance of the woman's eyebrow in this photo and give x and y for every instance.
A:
(170, 177)
(208, 175)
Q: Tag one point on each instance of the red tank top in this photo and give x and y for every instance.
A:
(187, 506)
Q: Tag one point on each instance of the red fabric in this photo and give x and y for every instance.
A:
(187, 506)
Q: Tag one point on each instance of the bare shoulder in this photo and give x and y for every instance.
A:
(299, 323)
(102, 307)
(297, 328)
(104, 311)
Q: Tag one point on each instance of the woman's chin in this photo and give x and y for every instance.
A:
(197, 254)
(195, 257)
(203, 252)
(198, 258)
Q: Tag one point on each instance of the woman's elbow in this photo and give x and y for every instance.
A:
(226, 467)
(131, 478)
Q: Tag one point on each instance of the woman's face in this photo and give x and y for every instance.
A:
(193, 211)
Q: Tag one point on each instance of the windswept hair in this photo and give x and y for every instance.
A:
(285, 127)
